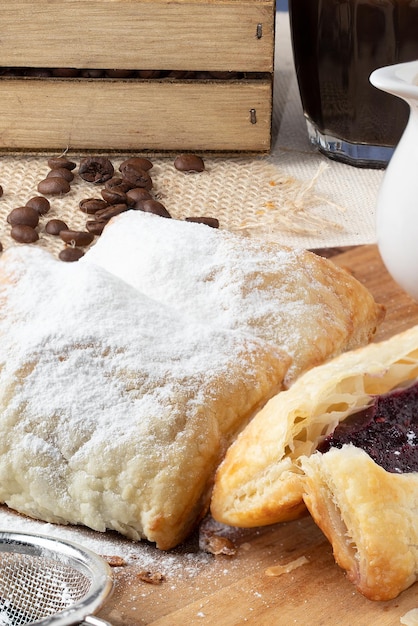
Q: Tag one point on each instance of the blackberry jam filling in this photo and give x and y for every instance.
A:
(387, 430)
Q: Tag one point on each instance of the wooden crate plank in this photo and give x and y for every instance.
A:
(138, 34)
(39, 114)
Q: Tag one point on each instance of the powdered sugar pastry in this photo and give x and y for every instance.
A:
(115, 410)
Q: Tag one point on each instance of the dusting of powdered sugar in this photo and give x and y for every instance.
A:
(110, 397)
(221, 278)
(212, 275)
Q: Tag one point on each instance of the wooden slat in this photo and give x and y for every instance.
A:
(38, 114)
(138, 34)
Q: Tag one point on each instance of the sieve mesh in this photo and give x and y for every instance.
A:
(47, 581)
(33, 587)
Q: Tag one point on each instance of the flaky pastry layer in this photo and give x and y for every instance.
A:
(369, 515)
(260, 480)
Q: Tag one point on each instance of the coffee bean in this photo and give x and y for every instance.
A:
(96, 228)
(114, 196)
(1, 191)
(61, 161)
(23, 233)
(106, 214)
(92, 205)
(137, 194)
(61, 171)
(69, 255)
(1, 247)
(118, 183)
(54, 227)
(138, 178)
(189, 163)
(96, 169)
(54, 186)
(209, 221)
(153, 206)
(23, 215)
(76, 237)
(139, 163)
(40, 204)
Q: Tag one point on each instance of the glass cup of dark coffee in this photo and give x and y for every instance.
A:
(336, 46)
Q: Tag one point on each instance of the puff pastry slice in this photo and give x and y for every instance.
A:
(260, 480)
(369, 515)
(294, 299)
(114, 409)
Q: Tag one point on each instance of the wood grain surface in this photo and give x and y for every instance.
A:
(139, 34)
(205, 116)
(235, 590)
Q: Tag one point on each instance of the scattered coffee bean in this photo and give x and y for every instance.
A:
(24, 234)
(209, 221)
(153, 206)
(138, 178)
(76, 237)
(96, 228)
(54, 227)
(114, 209)
(139, 163)
(92, 205)
(61, 161)
(189, 163)
(53, 186)
(1, 191)
(61, 171)
(114, 196)
(40, 204)
(23, 215)
(137, 194)
(116, 182)
(96, 169)
(1, 247)
(69, 255)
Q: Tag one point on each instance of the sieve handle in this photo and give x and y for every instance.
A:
(95, 621)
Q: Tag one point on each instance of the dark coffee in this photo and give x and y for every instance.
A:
(337, 44)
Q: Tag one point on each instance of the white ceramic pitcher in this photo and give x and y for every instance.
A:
(397, 203)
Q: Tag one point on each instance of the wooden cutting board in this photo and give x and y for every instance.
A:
(235, 590)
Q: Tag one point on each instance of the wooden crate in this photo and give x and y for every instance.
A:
(204, 113)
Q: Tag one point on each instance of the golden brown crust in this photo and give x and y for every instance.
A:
(370, 516)
(260, 480)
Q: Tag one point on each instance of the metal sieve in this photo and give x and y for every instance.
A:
(46, 581)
